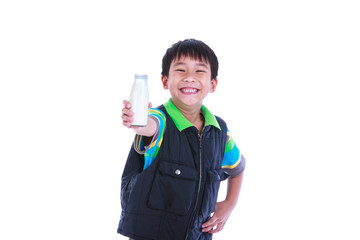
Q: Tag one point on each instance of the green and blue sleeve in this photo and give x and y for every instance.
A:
(233, 162)
(152, 149)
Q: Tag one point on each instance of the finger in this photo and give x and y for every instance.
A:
(211, 221)
(127, 124)
(127, 104)
(210, 227)
(127, 112)
(218, 228)
(126, 118)
(150, 105)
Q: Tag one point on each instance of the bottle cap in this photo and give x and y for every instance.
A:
(142, 76)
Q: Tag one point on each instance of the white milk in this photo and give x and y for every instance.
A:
(139, 100)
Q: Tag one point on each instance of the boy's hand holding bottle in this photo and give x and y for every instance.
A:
(135, 111)
(128, 118)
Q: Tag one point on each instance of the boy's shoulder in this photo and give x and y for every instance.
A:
(220, 120)
(222, 124)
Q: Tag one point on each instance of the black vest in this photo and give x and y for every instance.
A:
(176, 194)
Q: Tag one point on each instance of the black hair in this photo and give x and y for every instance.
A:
(194, 49)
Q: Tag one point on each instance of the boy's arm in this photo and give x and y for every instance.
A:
(223, 209)
(148, 131)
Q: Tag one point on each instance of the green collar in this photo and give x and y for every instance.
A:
(182, 123)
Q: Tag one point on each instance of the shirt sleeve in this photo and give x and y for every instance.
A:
(150, 151)
(233, 163)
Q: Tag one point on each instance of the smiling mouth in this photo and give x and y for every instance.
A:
(189, 90)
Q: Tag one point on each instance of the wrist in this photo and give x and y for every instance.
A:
(231, 203)
(148, 130)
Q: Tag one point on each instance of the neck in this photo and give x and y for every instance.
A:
(193, 114)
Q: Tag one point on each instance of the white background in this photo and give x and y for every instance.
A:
(288, 89)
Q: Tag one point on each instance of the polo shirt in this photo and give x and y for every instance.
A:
(233, 162)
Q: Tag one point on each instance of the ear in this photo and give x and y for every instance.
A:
(164, 81)
(213, 85)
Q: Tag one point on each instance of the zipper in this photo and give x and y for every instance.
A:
(199, 187)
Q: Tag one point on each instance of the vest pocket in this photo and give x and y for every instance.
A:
(173, 188)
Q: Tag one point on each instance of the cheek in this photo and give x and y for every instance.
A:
(170, 86)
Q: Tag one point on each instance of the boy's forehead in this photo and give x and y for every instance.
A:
(188, 60)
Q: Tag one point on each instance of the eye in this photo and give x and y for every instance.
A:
(180, 70)
(200, 71)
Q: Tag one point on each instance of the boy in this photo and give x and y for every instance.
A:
(171, 178)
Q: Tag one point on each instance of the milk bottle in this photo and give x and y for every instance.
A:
(139, 100)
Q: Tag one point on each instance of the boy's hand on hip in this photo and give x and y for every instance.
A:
(217, 221)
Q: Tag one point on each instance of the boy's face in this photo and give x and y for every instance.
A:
(189, 82)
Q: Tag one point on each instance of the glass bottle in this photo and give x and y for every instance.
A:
(139, 100)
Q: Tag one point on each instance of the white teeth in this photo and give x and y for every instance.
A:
(189, 90)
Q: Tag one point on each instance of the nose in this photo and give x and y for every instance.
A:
(189, 78)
